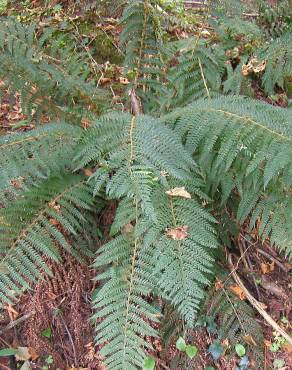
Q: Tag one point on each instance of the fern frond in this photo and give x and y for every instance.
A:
(137, 162)
(277, 55)
(47, 83)
(250, 143)
(183, 265)
(26, 158)
(34, 227)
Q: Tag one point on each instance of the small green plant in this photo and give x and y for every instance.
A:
(190, 350)
(277, 342)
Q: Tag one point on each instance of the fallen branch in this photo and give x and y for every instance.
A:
(273, 259)
(14, 323)
(257, 305)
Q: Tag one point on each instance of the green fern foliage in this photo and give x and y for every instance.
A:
(243, 145)
(141, 37)
(24, 156)
(36, 225)
(47, 81)
(142, 259)
(277, 55)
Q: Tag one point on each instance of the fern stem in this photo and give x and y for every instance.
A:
(204, 79)
(143, 35)
(131, 285)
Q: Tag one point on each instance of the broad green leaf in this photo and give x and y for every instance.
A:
(47, 332)
(191, 351)
(240, 350)
(181, 344)
(7, 352)
(149, 363)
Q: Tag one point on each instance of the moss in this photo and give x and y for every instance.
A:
(105, 50)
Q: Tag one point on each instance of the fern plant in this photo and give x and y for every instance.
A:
(171, 175)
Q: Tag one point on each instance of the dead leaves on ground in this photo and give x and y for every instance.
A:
(238, 291)
(253, 66)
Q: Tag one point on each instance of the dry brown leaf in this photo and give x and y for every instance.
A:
(87, 172)
(104, 80)
(179, 233)
(287, 347)
(260, 67)
(33, 353)
(13, 314)
(225, 343)
(85, 123)
(249, 340)
(238, 291)
(16, 183)
(267, 343)
(124, 81)
(218, 284)
(179, 192)
(267, 267)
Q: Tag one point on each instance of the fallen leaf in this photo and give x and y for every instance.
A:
(22, 354)
(260, 67)
(179, 233)
(124, 81)
(179, 192)
(104, 80)
(85, 123)
(13, 314)
(249, 340)
(87, 172)
(33, 353)
(238, 291)
(267, 267)
(287, 347)
(218, 284)
(267, 343)
(16, 183)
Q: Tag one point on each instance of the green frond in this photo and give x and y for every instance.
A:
(33, 227)
(29, 157)
(50, 80)
(122, 301)
(277, 55)
(250, 143)
(183, 266)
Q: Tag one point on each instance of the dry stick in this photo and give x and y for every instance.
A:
(273, 259)
(257, 304)
(70, 339)
(12, 324)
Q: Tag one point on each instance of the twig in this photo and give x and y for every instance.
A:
(257, 304)
(12, 324)
(278, 263)
(70, 339)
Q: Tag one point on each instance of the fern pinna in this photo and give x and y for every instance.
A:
(170, 174)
